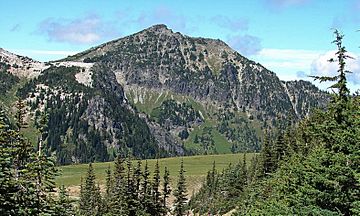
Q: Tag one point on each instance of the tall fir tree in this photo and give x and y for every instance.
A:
(132, 196)
(44, 171)
(267, 155)
(244, 171)
(118, 202)
(180, 192)
(63, 204)
(146, 201)
(8, 184)
(27, 178)
(155, 193)
(90, 198)
(278, 150)
(166, 190)
(109, 185)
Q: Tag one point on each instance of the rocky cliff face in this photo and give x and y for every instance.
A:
(157, 92)
(205, 69)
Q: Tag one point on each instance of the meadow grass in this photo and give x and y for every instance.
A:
(196, 168)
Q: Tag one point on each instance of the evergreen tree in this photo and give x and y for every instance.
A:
(211, 180)
(180, 192)
(108, 197)
(132, 196)
(20, 114)
(138, 175)
(9, 187)
(267, 155)
(119, 192)
(146, 190)
(166, 190)
(340, 100)
(43, 171)
(90, 197)
(27, 177)
(244, 172)
(279, 150)
(63, 205)
(156, 194)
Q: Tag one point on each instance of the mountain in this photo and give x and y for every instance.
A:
(160, 93)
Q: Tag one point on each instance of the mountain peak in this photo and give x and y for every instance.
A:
(158, 27)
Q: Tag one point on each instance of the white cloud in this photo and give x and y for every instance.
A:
(84, 30)
(245, 44)
(299, 64)
(287, 62)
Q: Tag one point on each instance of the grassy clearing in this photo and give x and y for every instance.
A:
(222, 145)
(196, 168)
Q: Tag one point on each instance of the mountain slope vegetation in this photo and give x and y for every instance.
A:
(157, 93)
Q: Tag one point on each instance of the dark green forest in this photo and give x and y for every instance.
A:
(309, 168)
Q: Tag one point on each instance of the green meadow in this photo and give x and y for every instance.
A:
(196, 168)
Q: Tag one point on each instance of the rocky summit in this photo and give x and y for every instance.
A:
(155, 93)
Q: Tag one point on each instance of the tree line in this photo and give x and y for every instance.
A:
(131, 190)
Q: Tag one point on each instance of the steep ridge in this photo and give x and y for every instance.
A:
(205, 69)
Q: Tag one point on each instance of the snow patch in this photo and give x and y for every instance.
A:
(85, 75)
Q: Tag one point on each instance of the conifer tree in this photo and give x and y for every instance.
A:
(137, 177)
(20, 114)
(132, 196)
(8, 185)
(43, 171)
(63, 205)
(166, 190)
(156, 194)
(279, 150)
(27, 176)
(146, 190)
(90, 197)
(119, 203)
(339, 103)
(108, 197)
(211, 180)
(244, 172)
(267, 155)
(180, 192)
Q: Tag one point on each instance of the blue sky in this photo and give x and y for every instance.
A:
(290, 37)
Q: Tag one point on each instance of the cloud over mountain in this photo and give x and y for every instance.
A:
(83, 30)
(245, 44)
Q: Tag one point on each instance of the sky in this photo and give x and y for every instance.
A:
(290, 37)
